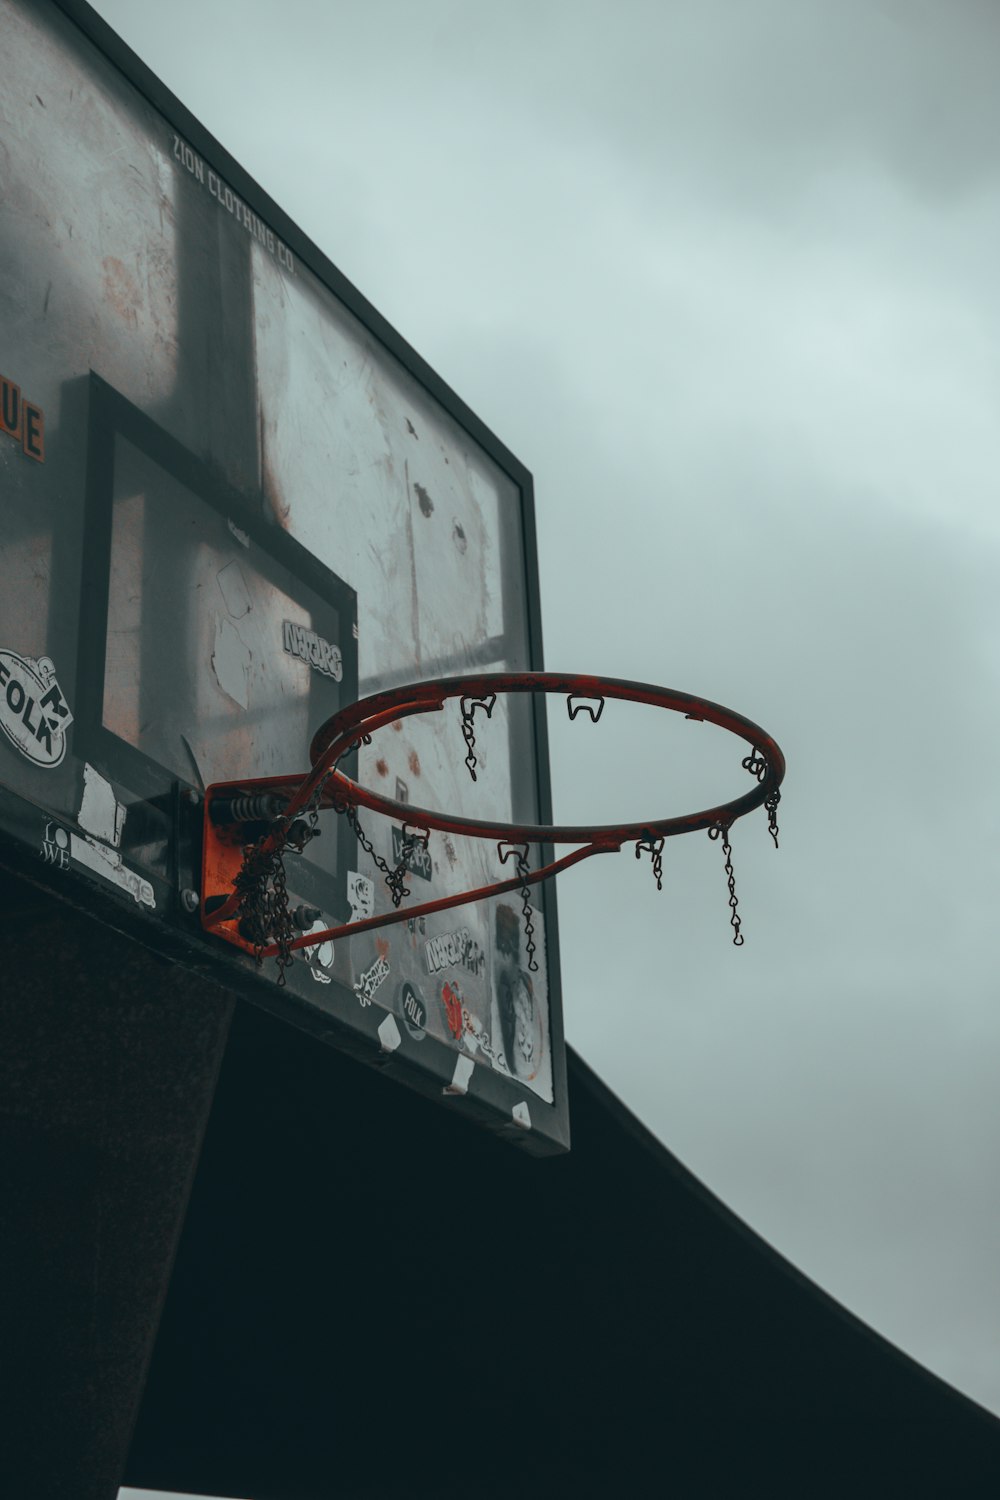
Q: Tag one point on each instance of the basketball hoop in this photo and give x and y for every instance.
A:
(243, 888)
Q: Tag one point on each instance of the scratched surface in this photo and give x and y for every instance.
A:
(249, 419)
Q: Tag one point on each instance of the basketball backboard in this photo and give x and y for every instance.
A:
(234, 501)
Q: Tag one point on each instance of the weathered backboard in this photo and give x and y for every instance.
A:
(234, 500)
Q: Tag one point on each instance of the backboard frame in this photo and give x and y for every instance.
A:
(24, 820)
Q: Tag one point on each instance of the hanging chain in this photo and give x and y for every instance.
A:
(264, 917)
(718, 830)
(394, 875)
(468, 707)
(529, 927)
(756, 764)
(655, 848)
(520, 853)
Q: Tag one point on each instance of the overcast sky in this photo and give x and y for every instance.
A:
(723, 275)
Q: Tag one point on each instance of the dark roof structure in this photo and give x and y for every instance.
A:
(373, 1299)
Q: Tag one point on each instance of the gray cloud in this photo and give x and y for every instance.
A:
(723, 275)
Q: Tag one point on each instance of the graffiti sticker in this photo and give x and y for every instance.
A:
(361, 896)
(311, 648)
(371, 979)
(452, 950)
(34, 714)
(418, 861)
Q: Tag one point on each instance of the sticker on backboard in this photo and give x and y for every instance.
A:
(418, 861)
(372, 979)
(34, 714)
(323, 656)
(60, 848)
(360, 895)
(55, 846)
(320, 957)
(453, 950)
(519, 1012)
(413, 1011)
(107, 863)
(100, 811)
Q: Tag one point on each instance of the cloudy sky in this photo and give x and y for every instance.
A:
(722, 273)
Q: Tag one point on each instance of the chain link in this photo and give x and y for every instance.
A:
(653, 847)
(468, 708)
(756, 764)
(719, 831)
(521, 857)
(264, 917)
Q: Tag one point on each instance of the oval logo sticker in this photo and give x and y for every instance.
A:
(34, 714)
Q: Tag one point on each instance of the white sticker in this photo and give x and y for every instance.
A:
(320, 957)
(464, 1068)
(371, 979)
(34, 714)
(361, 895)
(388, 1035)
(100, 811)
(108, 864)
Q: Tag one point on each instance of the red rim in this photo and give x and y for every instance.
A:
(344, 730)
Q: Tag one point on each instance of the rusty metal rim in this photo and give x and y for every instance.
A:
(346, 728)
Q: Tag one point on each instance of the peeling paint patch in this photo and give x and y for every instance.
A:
(231, 662)
(100, 811)
(240, 536)
(107, 863)
(234, 590)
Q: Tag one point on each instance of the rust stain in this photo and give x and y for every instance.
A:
(382, 948)
(414, 762)
(382, 767)
(121, 290)
(280, 508)
(397, 725)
